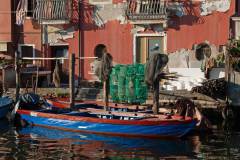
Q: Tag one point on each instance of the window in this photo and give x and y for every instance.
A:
(30, 7)
(62, 53)
(3, 46)
(27, 50)
(146, 9)
(53, 11)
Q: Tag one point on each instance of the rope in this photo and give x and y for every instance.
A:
(55, 58)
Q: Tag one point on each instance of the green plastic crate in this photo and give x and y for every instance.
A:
(130, 89)
(127, 84)
(123, 70)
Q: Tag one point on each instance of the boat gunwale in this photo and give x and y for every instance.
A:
(188, 120)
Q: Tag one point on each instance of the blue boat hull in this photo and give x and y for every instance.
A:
(177, 130)
(3, 111)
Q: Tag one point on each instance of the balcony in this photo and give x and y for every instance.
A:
(146, 11)
(53, 11)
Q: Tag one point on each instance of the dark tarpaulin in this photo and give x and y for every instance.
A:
(153, 72)
(103, 71)
(154, 68)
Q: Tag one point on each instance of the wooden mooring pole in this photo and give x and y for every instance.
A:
(71, 79)
(36, 83)
(105, 94)
(17, 75)
(156, 97)
(4, 80)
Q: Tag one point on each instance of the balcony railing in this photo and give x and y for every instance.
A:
(146, 10)
(53, 11)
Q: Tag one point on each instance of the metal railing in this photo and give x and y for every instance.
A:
(146, 9)
(52, 10)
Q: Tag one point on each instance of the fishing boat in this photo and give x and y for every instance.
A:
(97, 121)
(202, 125)
(5, 106)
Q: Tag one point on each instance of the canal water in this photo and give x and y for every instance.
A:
(42, 144)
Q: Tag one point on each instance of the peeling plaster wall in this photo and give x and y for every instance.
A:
(187, 58)
(209, 6)
(56, 34)
(188, 69)
(108, 12)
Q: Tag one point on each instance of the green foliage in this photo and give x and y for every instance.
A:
(220, 60)
(4, 62)
(236, 66)
(61, 93)
(234, 48)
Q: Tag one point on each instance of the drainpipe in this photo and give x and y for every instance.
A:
(79, 44)
(237, 7)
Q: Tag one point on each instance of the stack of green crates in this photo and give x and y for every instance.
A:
(127, 84)
(141, 91)
(121, 83)
(130, 84)
(114, 83)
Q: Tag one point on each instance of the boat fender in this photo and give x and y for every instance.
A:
(227, 113)
(30, 101)
(30, 98)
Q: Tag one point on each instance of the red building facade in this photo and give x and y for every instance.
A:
(128, 40)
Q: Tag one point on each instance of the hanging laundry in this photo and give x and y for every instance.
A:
(176, 9)
(21, 12)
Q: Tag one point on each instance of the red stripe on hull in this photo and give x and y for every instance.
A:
(108, 121)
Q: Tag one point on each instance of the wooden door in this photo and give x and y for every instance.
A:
(145, 46)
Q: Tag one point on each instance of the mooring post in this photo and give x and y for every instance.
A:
(156, 97)
(36, 85)
(3, 79)
(17, 75)
(71, 79)
(105, 94)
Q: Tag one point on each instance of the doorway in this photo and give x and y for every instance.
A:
(147, 45)
(60, 51)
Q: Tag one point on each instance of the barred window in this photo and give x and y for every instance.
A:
(30, 7)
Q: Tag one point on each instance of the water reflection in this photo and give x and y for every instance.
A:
(42, 143)
(98, 146)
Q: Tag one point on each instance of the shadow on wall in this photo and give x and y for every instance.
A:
(191, 16)
(87, 16)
